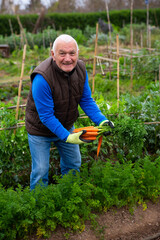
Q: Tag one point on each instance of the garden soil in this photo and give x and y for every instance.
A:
(120, 224)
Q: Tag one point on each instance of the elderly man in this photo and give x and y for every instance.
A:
(59, 85)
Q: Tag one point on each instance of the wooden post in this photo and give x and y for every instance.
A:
(131, 33)
(20, 83)
(94, 60)
(117, 71)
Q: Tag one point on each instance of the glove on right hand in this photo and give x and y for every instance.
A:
(107, 122)
(75, 138)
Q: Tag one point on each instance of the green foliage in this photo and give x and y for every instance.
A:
(14, 152)
(122, 176)
(102, 39)
(145, 107)
(75, 198)
(129, 137)
(89, 31)
(62, 21)
(77, 34)
(40, 39)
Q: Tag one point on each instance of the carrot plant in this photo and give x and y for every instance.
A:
(77, 198)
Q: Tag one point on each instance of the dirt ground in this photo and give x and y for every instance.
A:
(120, 224)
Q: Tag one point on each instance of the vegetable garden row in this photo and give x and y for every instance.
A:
(125, 173)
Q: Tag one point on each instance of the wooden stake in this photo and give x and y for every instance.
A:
(131, 33)
(109, 24)
(20, 83)
(94, 61)
(149, 31)
(117, 71)
(22, 29)
(148, 25)
(110, 39)
(141, 40)
(10, 24)
(159, 78)
(124, 65)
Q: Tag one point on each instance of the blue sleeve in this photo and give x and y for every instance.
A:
(43, 99)
(89, 106)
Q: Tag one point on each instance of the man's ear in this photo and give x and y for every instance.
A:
(52, 54)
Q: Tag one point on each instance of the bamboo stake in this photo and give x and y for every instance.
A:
(150, 38)
(141, 40)
(23, 124)
(107, 59)
(131, 32)
(109, 24)
(110, 38)
(10, 24)
(20, 83)
(117, 71)
(94, 61)
(147, 24)
(124, 65)
(22, 29)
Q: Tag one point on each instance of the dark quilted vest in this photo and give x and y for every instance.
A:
(66, 90)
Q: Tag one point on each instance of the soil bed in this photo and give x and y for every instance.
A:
(119, 224)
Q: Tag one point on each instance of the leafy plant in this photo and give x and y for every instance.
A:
(129, 137)
(77, 197)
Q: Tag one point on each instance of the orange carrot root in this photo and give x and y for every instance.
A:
(90, 129)
(88, 138)
(99, 145)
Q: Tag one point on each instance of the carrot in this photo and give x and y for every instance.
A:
(89, 138)
(89, 128)
(90, 134)
(99, 144)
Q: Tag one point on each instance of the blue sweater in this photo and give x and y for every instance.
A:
(42, 96)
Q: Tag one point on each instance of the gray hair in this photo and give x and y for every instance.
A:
(66, 38)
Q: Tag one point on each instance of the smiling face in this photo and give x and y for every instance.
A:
(65, 55)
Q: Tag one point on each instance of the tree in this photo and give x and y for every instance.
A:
(7, 7)
(35, 6)
(94, 5)
(66, 6)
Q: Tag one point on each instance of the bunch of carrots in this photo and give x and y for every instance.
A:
(92, 133)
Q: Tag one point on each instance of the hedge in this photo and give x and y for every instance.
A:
(63, 21)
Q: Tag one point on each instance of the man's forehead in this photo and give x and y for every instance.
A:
(65, 45)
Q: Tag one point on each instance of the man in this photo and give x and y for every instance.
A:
(59, 85)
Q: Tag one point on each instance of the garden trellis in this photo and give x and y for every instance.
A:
(115, 53)
(99, 58)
